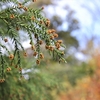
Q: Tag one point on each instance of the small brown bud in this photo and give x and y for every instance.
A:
(8, 69)
(6, 40)
(12, 16)
(52, 37)
(33, 47)
(38, 61)
(20, 5)
(59, 41)
(25, 8)
(2, 80)
(34, 0)
(57, 45)
(42, 7)
(30, 42)
(25, 54)
(40, 42)
(62, 53)
(35, 53)
(41, 22)
(53, 30)
(17, 28)
(46, 46)
(16, 66)
(41, 56)
(20, 69)
(32, 18)
(49, 31)
(51, 48)
(11, 56)
(47, 22)
(55, 35)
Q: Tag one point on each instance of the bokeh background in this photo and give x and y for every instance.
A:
(78, 24)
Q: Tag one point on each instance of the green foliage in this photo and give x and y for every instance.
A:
(37, 85)
(17, 16)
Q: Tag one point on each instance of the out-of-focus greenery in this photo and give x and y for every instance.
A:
(46, 81)
(35, 83)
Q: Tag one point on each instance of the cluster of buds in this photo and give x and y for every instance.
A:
(40, 56)
(2, 80)
(51, 31)
(58, 43)
(8, 69)
(52, 34)
(51, 48)
(36, 49)
(23, 7)
(18, 67)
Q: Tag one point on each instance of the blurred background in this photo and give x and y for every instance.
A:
(78, 24)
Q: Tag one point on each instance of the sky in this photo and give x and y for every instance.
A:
(89, 19)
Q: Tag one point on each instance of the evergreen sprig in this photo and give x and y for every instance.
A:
(19, 17)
